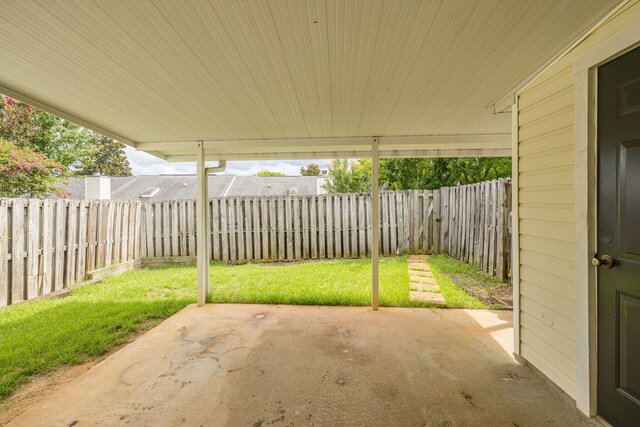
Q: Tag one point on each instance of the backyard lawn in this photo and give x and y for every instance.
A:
(463, 285)
(338, 282)
(40, 336)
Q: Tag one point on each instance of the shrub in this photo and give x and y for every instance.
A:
(26, 173)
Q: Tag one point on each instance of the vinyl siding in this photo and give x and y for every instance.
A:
(546, 190)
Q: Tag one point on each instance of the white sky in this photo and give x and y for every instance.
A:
(146, 164)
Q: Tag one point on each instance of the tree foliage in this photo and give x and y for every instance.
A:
(110, 159)
(25, 172)
(72, 145)
(312, 169)
(347, 176)
(17, 122)
(477, 169)
(404, 174)
(412, 173)
(73, 149)
(268, 173)
(60, 140)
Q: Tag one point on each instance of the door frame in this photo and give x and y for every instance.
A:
(585, 69)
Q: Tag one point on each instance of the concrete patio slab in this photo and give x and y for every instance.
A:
(259, 365)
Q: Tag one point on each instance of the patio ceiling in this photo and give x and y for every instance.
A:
(286, 79)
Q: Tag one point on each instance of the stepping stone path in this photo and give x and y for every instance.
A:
(423, 285)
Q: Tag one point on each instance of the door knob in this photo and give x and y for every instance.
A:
(604, 261)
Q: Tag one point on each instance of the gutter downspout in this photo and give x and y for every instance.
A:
(222, 165)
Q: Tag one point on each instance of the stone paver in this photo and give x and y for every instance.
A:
(424, 288)
(421, 279)
(423, 285)
(432, 297)
(421, 274)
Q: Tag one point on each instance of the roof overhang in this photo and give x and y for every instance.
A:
(295, 79)
(488, 145)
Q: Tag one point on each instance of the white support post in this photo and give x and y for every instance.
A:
(375, 221)
(202, 215)
(515, 225)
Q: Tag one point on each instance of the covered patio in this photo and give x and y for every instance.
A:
(225, 80)
(257, 365)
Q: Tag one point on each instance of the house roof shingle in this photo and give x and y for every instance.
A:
(183, 187)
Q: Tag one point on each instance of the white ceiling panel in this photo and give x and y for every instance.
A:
(227, 70)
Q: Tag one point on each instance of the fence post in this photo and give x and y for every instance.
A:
(444, 220)
(33, 247)
(321, 227)
(437, 221)
(82, 241)
(503, 224)
(5, 289)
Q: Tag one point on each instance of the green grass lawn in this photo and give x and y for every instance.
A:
(38, 337)
(339, 282)
(445, 269)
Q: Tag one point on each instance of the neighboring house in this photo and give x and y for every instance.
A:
(183, 187)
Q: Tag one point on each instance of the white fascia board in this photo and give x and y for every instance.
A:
(253, 144)
(503, 152)
(312, 144)
(340, 147)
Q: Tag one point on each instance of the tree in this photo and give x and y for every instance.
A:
(110, 159)
(268, 173)
(349, 176)
(311, 170)
(17, 121)
(415, 174)
(60, 140)
(405, 174)
(68, 143)
(477, 169)
(25, 172)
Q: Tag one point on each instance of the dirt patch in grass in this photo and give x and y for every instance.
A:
(491, 293)
(490, 290)
(40, 387)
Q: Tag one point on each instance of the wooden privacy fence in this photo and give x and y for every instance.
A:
(473, 223)
(290, 227)
(48, 245)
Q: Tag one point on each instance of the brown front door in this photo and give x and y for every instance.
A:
(619, 240)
